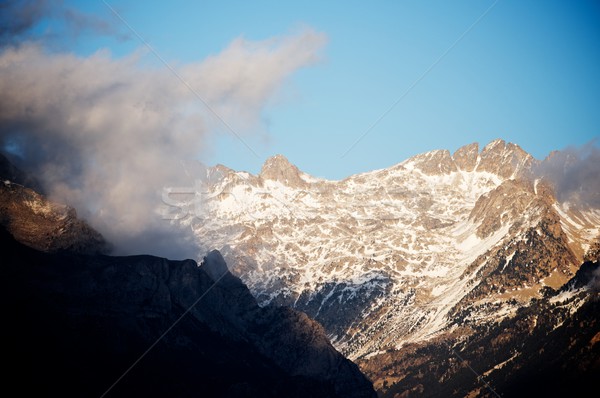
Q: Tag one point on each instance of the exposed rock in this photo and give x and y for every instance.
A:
(434, 162)
(278, 168)
(593, 253)
(466, 157)
(506, 202)
(214, 265)
(43, 225)
(504, 159)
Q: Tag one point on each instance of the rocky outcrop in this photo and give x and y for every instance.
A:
(44, 225)
(38, 222)
(434, 162)
(593, 253)
(278, 168)
(466, 157)
(506, 160)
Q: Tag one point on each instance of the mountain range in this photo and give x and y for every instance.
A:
(440, 250)
(446, 275)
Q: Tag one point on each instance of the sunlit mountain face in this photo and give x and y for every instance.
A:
(430, 251)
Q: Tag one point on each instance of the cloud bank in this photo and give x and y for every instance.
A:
(106, 135)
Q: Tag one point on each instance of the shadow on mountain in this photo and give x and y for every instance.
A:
(75, 324)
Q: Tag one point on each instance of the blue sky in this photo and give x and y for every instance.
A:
(527, 72)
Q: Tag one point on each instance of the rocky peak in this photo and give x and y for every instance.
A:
(466, 157)
(214, 265)
(504, 159)
(507, 160)
(278, 168)
(434, 162)
(219, 170)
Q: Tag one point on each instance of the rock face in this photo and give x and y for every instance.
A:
(466, 157)
(39, 223)
(504, 159)
(278, 168)
(434, 163)
(77, 322)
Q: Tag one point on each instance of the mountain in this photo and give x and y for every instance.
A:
(431, 251)
(38, 222)
(549, 348)
(78, 321)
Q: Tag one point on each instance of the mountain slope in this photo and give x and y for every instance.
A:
(394, 255)
(548, 348)
(431, 252)
(38, 222)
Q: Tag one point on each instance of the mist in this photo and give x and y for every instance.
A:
(106, 135)
(574, 175)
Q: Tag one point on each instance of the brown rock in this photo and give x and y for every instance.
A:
(465, 157)
(435, 162)
(278, 168)
(505, 160)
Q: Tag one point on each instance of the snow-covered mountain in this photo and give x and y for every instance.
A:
(438, 243)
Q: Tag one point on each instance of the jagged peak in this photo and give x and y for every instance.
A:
(278, 168)
(219, 168)
(438, 161)
(504, 159)
(501, 146)
(214, 265)
(466, 156)
(218, 172)
(276, 161)
(494, 145)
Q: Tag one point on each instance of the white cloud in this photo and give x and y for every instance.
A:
(106, 135)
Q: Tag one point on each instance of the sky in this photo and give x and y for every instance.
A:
(526, 72)
(109, 101)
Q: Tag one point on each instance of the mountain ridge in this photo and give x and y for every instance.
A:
(90, 317)
(443, 275)
(430, 261)
(389, 255)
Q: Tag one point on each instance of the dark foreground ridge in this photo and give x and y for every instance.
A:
(74, 323)
(75, 320)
